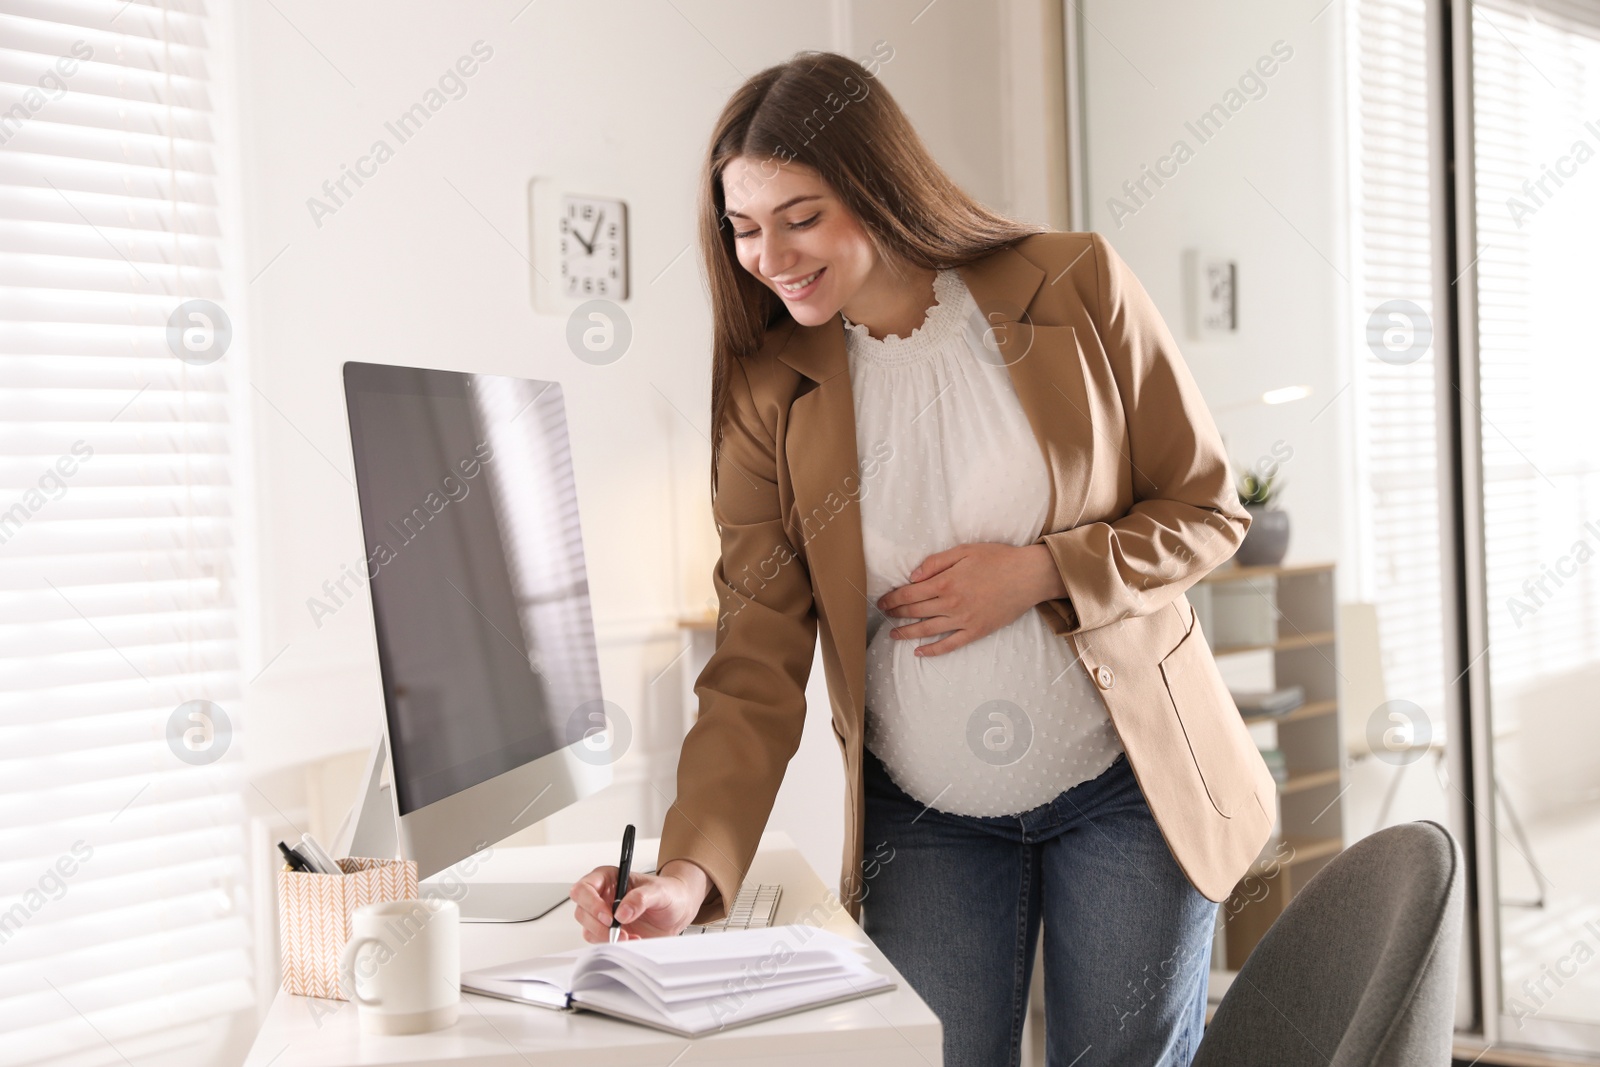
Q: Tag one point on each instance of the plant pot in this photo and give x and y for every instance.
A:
(1267, 541)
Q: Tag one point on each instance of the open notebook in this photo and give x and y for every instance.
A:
(692, 985)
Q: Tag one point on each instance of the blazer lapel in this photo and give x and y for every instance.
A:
(1047, 371)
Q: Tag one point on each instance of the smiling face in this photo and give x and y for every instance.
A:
(797, 237)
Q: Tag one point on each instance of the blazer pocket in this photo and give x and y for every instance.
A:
(1209, 721)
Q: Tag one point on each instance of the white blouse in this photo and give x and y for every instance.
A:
(1007, 722)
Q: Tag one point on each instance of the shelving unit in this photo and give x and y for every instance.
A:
(1276, 626)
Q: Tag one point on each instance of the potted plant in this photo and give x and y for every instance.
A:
(1267, 540)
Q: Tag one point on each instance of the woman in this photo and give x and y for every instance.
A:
(969, 452)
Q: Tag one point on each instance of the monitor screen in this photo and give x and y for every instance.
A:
(475, 560)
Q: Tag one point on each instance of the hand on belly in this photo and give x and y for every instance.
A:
(967, 592)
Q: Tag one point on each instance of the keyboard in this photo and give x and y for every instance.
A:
(755, 907)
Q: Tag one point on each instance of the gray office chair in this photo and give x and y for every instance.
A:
(1359, 969)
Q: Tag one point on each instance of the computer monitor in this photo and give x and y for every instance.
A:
(494, 717)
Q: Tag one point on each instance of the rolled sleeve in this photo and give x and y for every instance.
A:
(1186, 518)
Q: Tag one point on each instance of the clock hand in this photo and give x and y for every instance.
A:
(596, 232)
(587, 247)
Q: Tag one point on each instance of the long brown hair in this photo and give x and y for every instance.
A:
(830, 113)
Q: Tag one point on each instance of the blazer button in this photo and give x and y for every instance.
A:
(1104, 676)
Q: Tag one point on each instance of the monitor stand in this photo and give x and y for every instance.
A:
(510, 902)
(371, 829)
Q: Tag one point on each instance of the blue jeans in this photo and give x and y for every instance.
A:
(955, 903)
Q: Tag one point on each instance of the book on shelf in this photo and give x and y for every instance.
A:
(1269, 701)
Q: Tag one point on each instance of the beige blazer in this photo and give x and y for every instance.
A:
(1142, 506)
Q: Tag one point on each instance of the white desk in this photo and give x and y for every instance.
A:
(881, 1030)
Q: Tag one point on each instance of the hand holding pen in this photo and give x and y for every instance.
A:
(619, 904)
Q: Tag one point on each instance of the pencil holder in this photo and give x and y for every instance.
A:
(314, 913)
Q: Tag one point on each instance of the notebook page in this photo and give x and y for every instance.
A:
(733, 954)
(620, 986)
(680, 980)
(671, 976)
(707, 1016)
(553, 973)
(681, 993)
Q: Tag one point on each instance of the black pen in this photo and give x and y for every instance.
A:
(295, 861)
(622, 878)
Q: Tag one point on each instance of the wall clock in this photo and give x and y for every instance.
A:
(594, 247)
(579, 246)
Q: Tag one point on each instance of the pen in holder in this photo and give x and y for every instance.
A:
(314, 917)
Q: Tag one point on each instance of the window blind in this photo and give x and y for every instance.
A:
(124, 927)
(1397, 455)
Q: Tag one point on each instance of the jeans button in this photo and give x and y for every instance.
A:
(1104, 676)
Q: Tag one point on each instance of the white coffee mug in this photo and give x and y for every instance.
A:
(402, 965)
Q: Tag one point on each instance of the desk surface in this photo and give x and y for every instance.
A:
(881, 1030)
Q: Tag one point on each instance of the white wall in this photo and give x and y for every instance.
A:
(425, 265)
(1267, 190)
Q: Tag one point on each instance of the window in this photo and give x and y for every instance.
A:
(1537, 101)
(1536, 133)
(123, 924)
(1529, 274)
(1397, 443)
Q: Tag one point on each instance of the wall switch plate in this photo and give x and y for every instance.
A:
(1211, 285)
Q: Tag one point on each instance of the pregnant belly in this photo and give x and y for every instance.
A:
(999, 722)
